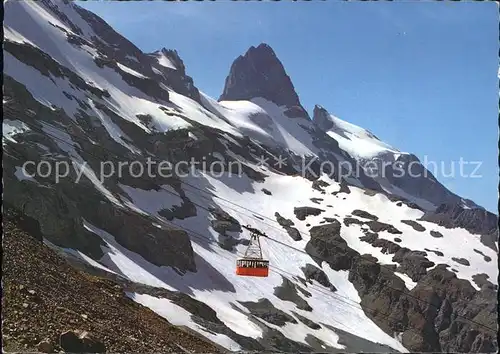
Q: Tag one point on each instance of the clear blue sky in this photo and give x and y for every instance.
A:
(420, 76)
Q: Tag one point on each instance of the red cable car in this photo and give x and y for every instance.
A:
(252, 264)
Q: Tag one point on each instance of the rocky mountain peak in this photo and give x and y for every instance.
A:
(170, 59)
(321, 118)
(259, 73)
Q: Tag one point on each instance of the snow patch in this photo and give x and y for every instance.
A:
(11, 128)
(21, 176)
(178, 316)
(152, 201)
(131, 71)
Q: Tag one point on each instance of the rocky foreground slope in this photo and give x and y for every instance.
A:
(45, 300)
(358, 263)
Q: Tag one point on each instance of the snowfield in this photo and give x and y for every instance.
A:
(267, 123)
(340, 309)
(359, 142)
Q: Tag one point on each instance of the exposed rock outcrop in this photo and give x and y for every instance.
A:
(374, 225)
(306, 321)
(303, 212)
(364, 214)
(431, 315)
(416, 226)
(475, 220)
(462, 261)
(287, 225)
(413, 263)
(288, 292)
(312, 272)
(259, 73)
(264, 309)
(49, 305)
(436, 234)
(326, 244)
(319, 185)
(486, 258)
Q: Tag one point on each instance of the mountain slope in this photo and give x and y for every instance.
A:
(44, 294)
(353, 266)
(397, 173)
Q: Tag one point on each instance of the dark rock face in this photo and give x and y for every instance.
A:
(316, 200)
(364, 214)
(259, 73)
(176, 78)
(436, 234)
(477, 221)
(429, 316)
(387, 246)
(437, 253)
(374, 225)
(486, 258)
(416, 226)
(293, 233)
(426, 315)
(306, 321)
(462, 261)
(27, 224)
(161, 246)
(482, 281)
(275, 341)
(349, 221)
(408, 173)
(377, 226)
(321, 118)
(369, 237)
(80, 342)
(286, 224)
(413, 263)
(319, 185)
(266, 191)
(57, 214)
(282, 221)
(224, 222)
(344, 188)
(457, 297)
(47, 66)
(117, 48)
(265, 309)
(312, 272)
(302, 212)
(288, 292)
(326, 244)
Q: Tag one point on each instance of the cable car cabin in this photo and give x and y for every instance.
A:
(252, 264)
(252, 267)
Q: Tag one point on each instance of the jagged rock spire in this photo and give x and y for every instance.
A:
(259, 73)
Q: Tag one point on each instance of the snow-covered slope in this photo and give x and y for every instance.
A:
(266, 122)
(398, 173)
(357, 141)
(164, 60)
(78, 92)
